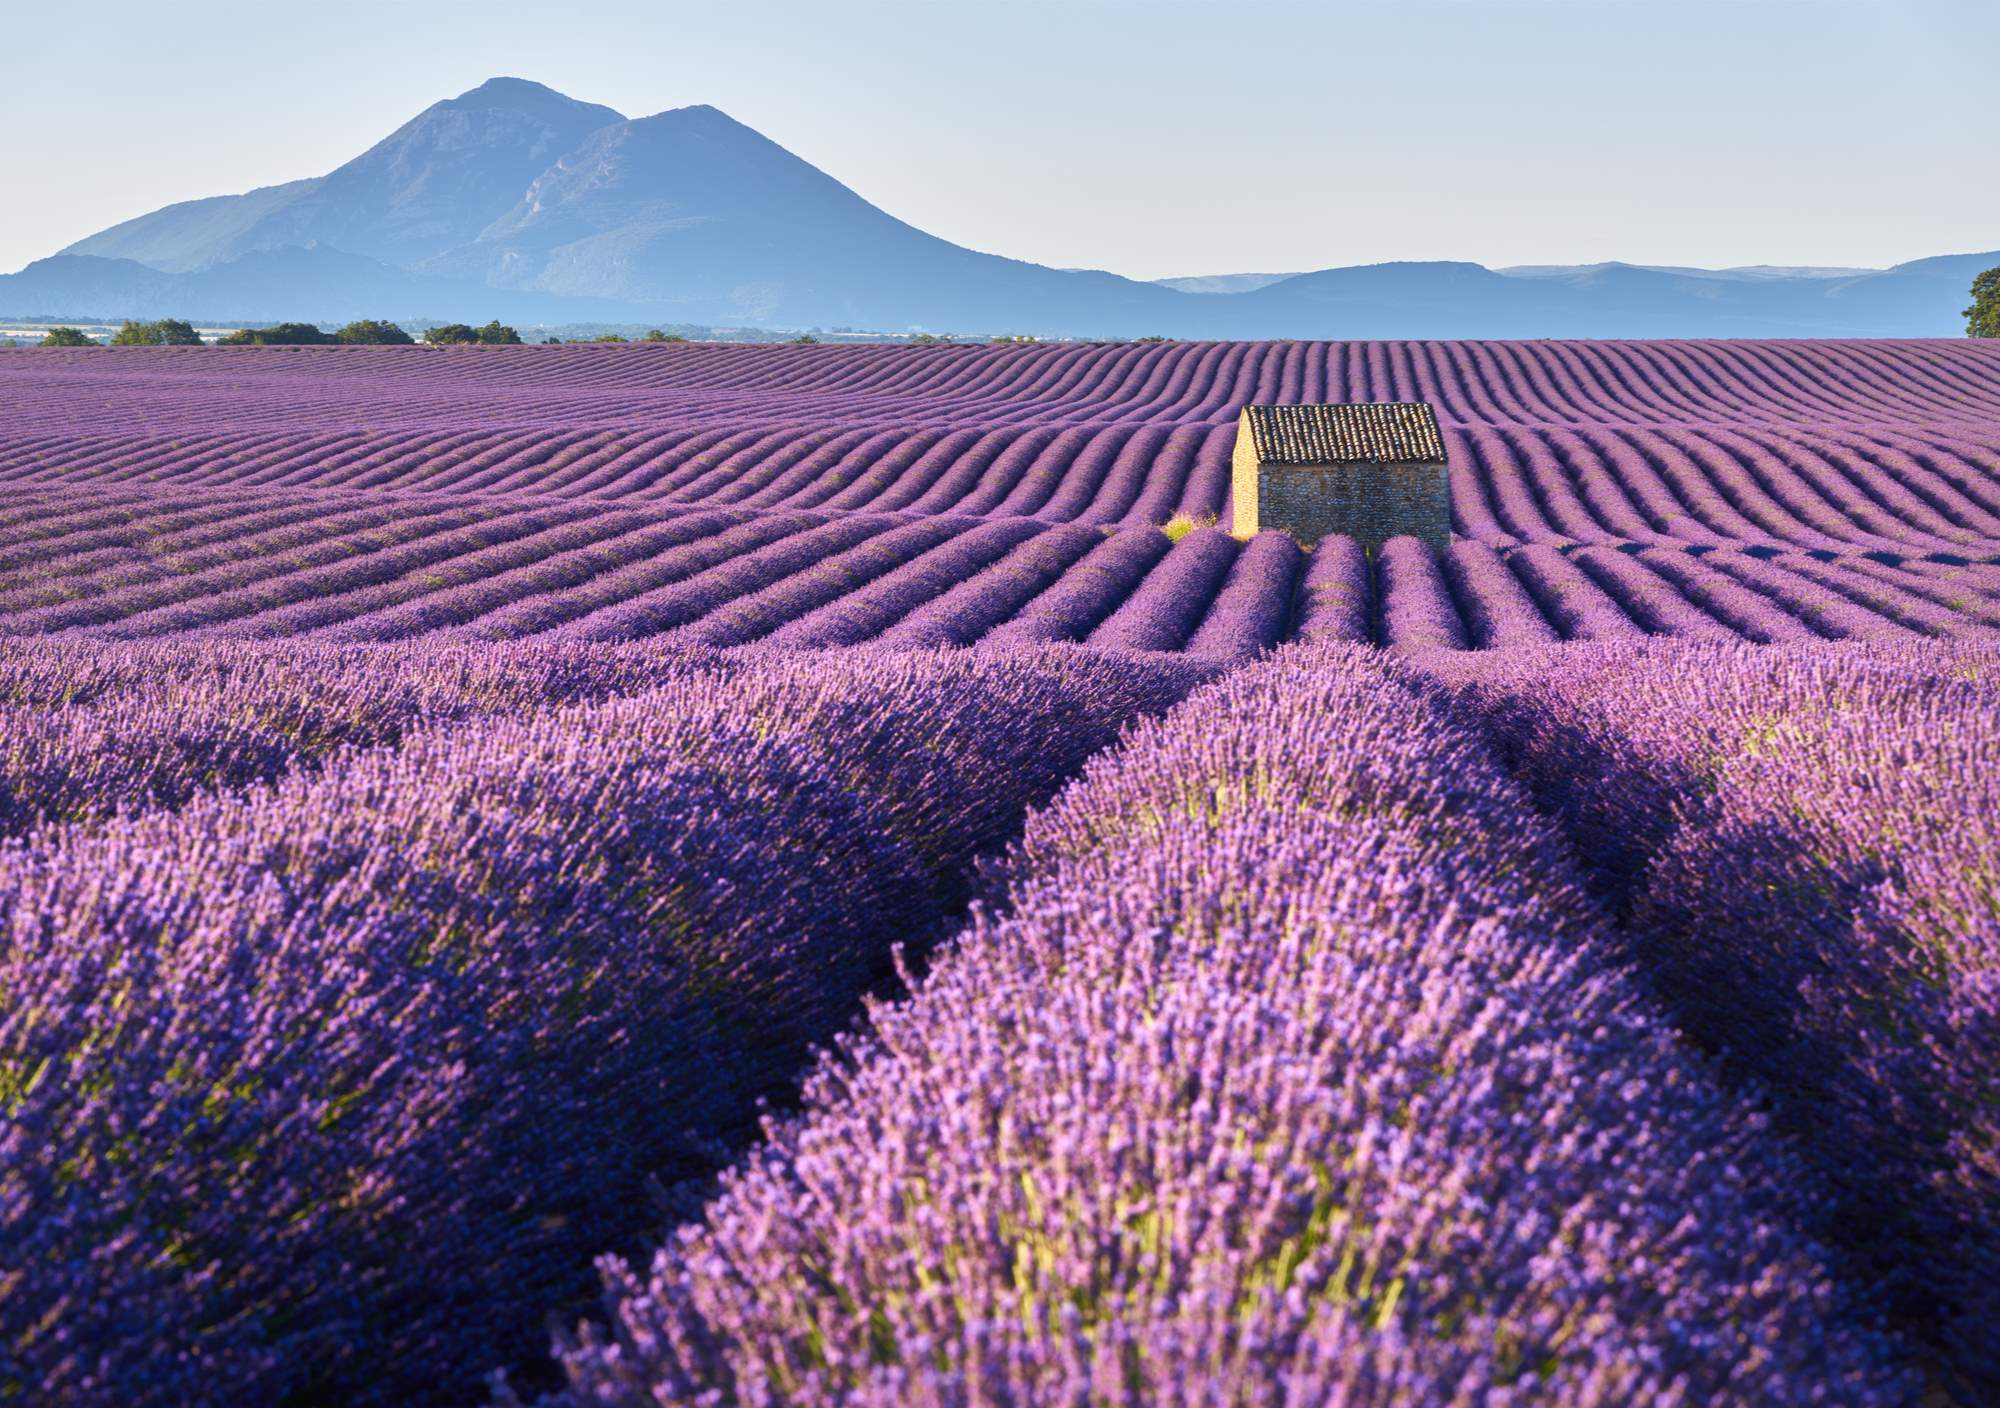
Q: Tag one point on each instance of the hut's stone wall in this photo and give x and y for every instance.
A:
(1369, 502)
(1373, 472)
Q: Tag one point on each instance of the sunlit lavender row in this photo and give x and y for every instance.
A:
(1297, 1067)
(1801, 844)
(330, 1091)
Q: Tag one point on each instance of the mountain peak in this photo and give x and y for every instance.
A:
(699, 116)
(429, 186)
(524, 93)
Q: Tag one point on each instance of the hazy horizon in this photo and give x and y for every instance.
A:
(1153, 140)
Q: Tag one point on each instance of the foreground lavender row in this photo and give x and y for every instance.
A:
(1301, 1070)
(440, 1010)
(328, 1092)
(1842, 447)
(94, 730)
(295, 564)
(1804, 846)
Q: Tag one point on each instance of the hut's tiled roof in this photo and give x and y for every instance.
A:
(1377, 431)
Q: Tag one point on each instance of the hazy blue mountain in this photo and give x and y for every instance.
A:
(1741, 272)
(1222, 283)
(192, 234)
(1916, 299)
(1447, 299)
(691, 211)
(432, 184)
(514, 200)
(271, 285)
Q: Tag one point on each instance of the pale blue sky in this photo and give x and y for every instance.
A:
(1150, 138)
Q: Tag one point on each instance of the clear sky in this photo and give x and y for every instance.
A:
(1150, 137)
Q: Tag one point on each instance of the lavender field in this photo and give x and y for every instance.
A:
(736, 874)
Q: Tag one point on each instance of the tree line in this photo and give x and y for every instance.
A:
(371, 332)
(1982, 319)
(174, 332)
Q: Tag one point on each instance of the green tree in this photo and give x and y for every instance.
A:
(374, 333)
(805, 337)
(1982, 319)
(450, 334)
(167, 332)
(607, 337)
(67, 337)
(279, 335)
(930, 339)
(495, 333)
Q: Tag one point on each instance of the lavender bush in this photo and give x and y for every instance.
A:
(1252, 611)
(1417, 610)
(1498, 610)
(967, 611)
(1071, 608)
(1336, 596)
(95, 730)
(1299, 1070)
(1163, 612)
(330, 1091)
(1801, 841)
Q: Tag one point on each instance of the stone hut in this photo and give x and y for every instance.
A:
(1373, 471)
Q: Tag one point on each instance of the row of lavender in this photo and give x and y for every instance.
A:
(1302, 1065)
(329, 1090)
(1578, 383)
(394, 1006)
(470, 568)
(1846, 487)
(1801, 845)
(95, 730)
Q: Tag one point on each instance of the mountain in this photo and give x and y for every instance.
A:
(431, 185)
(1455, 299)
(332, 286)
(1917, 299)
(1751, 272)
(1222, 283)
(512, 200)
(689, 210)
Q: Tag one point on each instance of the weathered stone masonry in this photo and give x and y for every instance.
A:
(1373, 471)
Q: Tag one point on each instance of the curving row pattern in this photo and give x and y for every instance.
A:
(1565, 382)
(134, 564)
(1805, 446)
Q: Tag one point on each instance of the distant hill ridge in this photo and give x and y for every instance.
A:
(514, 200)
